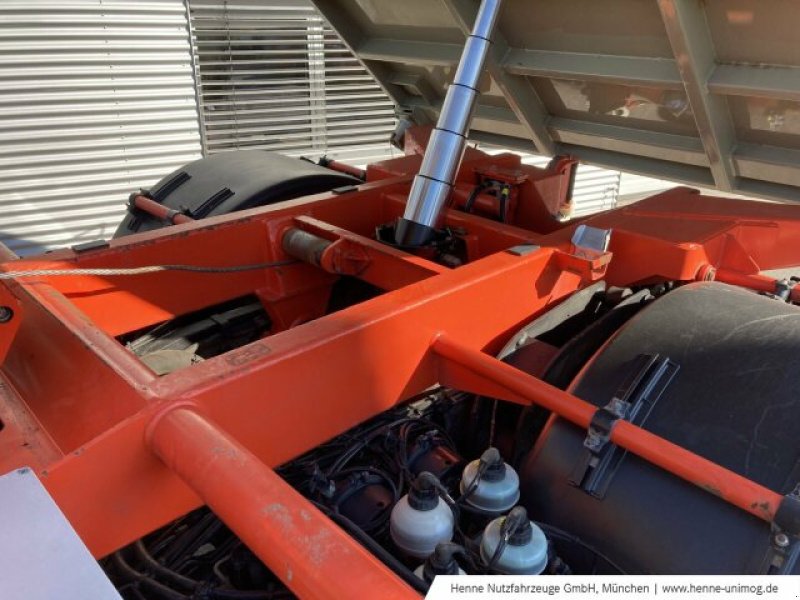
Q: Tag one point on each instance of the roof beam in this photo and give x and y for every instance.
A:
(692, 46)
(764, 81)
(500, 122)
(769, 163)
(518, 91)
(769, 81)
(628, 140)
(611, 159)
(623, 70)
(644, 165)
(409, 52)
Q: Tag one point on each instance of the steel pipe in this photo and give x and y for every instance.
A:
(159, 211)
(434, 182)
(751, 281)
(305, 246)
(709, 476)
(312, 555)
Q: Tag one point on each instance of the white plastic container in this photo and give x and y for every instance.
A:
(525, 552)
(421, 519)
(497, 487)
(420, 572)
(441, 562)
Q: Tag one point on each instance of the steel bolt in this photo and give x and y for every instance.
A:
(781, 540)
(6, 314)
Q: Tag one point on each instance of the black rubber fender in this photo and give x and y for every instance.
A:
(229, 181)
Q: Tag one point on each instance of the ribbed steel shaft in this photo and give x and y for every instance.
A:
(434, 182)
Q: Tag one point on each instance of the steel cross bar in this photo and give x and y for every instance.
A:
(470, 370)
(311, 554)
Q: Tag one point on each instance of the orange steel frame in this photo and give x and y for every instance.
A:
(124, 452)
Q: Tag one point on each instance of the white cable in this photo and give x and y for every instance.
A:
(141, 270)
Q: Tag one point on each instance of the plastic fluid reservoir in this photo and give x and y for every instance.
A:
(524, 545)
(489, 483)
(441, 562)
(421, 519)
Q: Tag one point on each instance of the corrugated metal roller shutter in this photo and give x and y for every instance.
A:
(635, 187)
(97, 98)
(595, 190)
(274, 76)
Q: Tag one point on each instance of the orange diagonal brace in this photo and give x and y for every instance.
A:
(312, 555)
(471, 370)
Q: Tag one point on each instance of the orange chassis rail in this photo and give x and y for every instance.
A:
(124, 452)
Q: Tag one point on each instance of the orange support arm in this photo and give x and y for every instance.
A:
(159, 211)
(472, 370)
(310, 554)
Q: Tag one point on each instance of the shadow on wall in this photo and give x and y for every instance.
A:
(23, 247)
(32, 245)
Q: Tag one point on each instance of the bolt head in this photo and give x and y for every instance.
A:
(781, 540)
(6, 314)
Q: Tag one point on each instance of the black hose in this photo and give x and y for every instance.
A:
(205, 537)
(489, 457)
(564, 536)
(192, 584)
(498, 552)
(220, 594)
(159, 569)
(159, 589)
(361, 444)
(386, 557)
(184, 540)
(138, 593)
(472, 197)
(503, 197)
(367, 439)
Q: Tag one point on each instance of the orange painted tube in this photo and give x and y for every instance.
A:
(755, 281)
(711, 477)
(344, 168)
(311, 554)
(759, 283)
(159, 211)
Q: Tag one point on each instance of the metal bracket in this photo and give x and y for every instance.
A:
(523, 249)
(87, 246)
(345, 189)
(590, 242)
(633, 401)
(784, 287)
(784, 549)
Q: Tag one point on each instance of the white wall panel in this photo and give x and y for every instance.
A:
(97, 98)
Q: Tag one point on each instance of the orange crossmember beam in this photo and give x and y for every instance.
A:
(311, 555)
(351, 254)
(473, 368)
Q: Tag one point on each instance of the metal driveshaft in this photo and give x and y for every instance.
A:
(434, 182)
